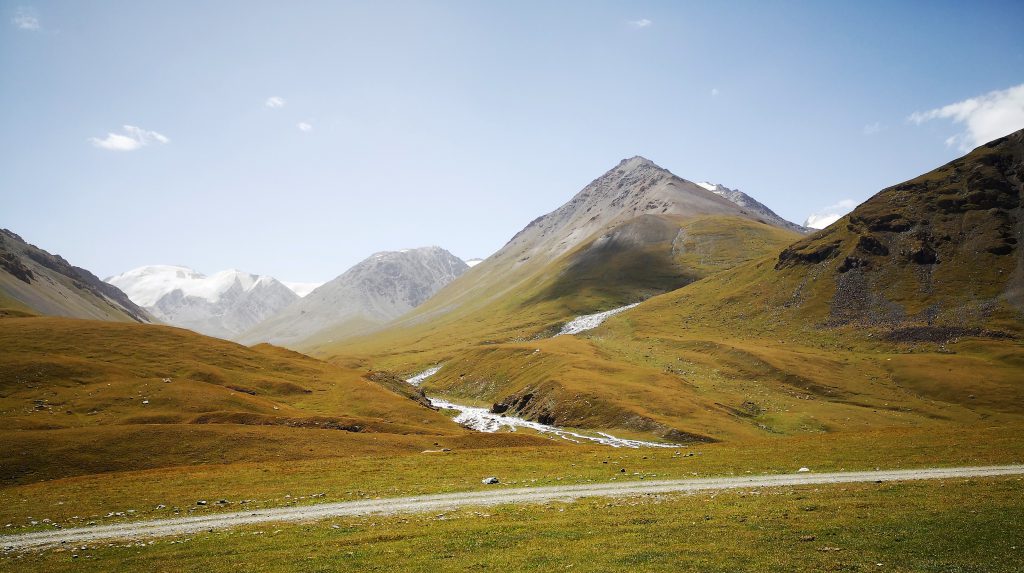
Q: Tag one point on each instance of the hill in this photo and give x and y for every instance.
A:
(33, 281)
(82, 397)
(905, 313)
(636, 231)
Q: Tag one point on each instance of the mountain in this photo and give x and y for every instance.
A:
(908, 312)
(473, 262)
(752, 205)
(300, 288)
(223, 305)
(35, 282)
(382, 287)
(635, 232)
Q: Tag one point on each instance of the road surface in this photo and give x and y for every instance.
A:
(494, 496)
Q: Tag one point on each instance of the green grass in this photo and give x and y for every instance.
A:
(953, 525)
(80, 500)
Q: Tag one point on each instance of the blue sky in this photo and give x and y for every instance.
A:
(403, 124)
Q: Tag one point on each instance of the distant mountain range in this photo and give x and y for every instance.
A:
(380, 288)
(730, 322)
(223, 305)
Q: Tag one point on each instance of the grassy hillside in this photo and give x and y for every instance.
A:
(79, 397)
(642, 257)
(904, 313)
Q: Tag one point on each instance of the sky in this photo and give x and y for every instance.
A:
(295, 139)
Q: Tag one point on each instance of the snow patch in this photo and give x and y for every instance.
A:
(590, 321)
(301, 289)
(706, 185)
(473, 262)
(483, 420)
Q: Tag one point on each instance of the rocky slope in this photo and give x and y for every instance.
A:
(223, 305)
(34, 281)
(940, 249)
(752, 206)
(382, 287)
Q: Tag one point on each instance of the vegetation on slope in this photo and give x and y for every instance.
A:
(79, 397)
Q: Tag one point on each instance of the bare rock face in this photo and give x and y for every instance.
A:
(223, 305)
(380, 288)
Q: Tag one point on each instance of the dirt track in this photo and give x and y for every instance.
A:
(495, 496)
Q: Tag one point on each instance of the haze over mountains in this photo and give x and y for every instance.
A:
(223, 305)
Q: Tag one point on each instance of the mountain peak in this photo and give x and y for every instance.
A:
(637, 162)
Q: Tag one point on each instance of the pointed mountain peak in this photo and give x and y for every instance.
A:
(637, 162)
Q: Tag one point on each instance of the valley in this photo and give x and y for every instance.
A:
(652, 336)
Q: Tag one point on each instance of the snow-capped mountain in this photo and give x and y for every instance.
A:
(223, 305)
(473, 262)
(375, 291)
(751, 205)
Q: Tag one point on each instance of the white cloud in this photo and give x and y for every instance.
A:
(714, 91)
(985, 117)
(303, 126)
(25, 19)
(131, 139)
(275, 102)
(873, 128)
(641, 23)
(827, 215)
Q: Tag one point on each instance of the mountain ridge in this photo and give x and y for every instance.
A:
(384, 286)
(222, 305)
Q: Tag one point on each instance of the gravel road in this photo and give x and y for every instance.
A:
(497, 495)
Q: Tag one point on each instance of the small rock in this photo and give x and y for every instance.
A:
(808, 538)
(489, 480)
(802, 470)
(201, 502)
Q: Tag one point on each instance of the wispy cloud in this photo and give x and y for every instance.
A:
(873, 128)
(303, 126)
(641, 23)
(714, 92)
(25, 19)
(984, 118)
(827, 215)
(130, 139)
(275, 102)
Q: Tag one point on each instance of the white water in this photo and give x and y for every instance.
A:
(419, 378)
(589, 321)
(483, 420)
